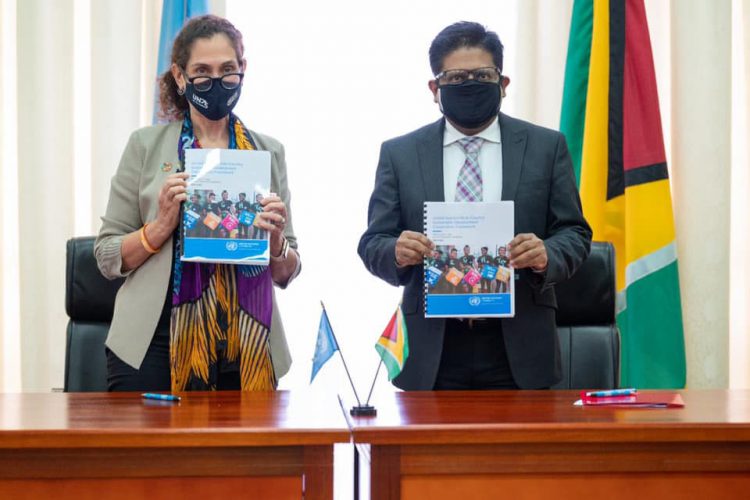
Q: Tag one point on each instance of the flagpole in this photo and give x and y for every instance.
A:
(356, 396)
(373, 382)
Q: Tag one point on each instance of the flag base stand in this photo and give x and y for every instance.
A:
(363, 411)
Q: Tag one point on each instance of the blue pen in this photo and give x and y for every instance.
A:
(160, 397)
(611, 393)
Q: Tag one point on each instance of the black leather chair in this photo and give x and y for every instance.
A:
(89, 302)
(589, 338)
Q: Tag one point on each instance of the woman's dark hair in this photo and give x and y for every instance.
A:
(173, 105)
(460, 35)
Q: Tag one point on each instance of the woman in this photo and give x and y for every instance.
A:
(181, 325)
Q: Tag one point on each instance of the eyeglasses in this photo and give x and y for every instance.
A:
(229, 81)
(459, 76)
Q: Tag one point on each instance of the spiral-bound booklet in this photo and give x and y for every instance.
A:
(224, 193)
(469, 273)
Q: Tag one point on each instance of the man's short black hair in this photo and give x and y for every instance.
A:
(464, 34)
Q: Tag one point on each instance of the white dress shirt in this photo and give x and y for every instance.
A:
(490, 161)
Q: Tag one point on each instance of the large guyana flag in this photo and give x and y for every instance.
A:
(610, 117)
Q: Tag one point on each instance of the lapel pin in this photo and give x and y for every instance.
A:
(166, 166)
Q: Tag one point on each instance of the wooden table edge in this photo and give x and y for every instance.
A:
(562, 433)
(158, 438)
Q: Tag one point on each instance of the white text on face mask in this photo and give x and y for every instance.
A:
(200, 101)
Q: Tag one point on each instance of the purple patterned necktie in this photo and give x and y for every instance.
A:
(469, 184)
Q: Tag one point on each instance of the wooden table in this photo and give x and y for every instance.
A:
(536, 444)
(274, 445)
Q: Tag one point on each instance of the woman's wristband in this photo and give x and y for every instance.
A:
(146, 244)
(284, 250)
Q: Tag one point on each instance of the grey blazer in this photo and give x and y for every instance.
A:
(538, 177)
(133, 200)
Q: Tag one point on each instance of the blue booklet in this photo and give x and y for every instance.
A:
(469, 275)
(220, 216)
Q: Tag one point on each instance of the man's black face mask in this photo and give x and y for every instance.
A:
(470, 104)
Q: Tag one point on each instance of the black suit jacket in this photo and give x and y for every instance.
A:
(538, 176)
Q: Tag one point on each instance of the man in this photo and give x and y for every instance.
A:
(243, 206)
(195, 203)
(483, 260)
(213, 208)
(196, 208)
(501, 262)
(441, 264)
(477, 153)
(467, 259)
(257, 207)
(225, 205)
(434, 258)
(455, 263)
(468, 263)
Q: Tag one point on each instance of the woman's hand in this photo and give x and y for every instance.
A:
(173, 192)
(273, 220)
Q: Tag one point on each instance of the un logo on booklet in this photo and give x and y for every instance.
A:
(474, 301)
(232, 246)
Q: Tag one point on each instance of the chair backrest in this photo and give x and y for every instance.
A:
(89, 302)
(589, 339)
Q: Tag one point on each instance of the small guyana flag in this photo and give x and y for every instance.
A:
(393, 344)
(610, 118)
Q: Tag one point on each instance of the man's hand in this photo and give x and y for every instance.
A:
(412, 248)
(526, 250)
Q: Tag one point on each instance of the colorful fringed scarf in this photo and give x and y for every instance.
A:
(221, 314)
